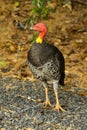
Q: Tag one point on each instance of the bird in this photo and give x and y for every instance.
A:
(47, 64)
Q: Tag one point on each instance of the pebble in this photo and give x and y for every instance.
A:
(18, 112)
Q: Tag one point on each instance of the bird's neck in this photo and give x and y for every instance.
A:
(40, 37)
(39, 40)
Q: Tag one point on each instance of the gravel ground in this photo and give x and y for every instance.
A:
(21, 107)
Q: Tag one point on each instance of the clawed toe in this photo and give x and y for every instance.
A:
(47, 103)
(58, 107)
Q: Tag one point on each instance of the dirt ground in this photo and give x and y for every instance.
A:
(66, 29)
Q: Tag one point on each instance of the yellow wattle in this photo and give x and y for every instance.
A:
(39, 40)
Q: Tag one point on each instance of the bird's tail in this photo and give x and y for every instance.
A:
(61, 81)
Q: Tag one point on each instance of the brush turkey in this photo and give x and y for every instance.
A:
(47, 64)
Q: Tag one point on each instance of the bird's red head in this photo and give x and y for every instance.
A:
(41, 27)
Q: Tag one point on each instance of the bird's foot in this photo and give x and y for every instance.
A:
(58, 107)
(47, 103)
(32, 79)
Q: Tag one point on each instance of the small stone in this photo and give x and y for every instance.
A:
(48, 128)
(3, 129)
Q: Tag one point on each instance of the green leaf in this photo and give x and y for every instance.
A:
(16, 4)
(3, 63)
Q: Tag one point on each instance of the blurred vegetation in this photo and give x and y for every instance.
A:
(40, 9)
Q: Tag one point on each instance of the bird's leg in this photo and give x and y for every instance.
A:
(47, 102)
(58, 106)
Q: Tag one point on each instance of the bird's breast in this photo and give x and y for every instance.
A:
(39, 54)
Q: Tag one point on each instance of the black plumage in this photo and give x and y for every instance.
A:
(40, 54)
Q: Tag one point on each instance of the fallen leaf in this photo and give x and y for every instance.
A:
(3, 63)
